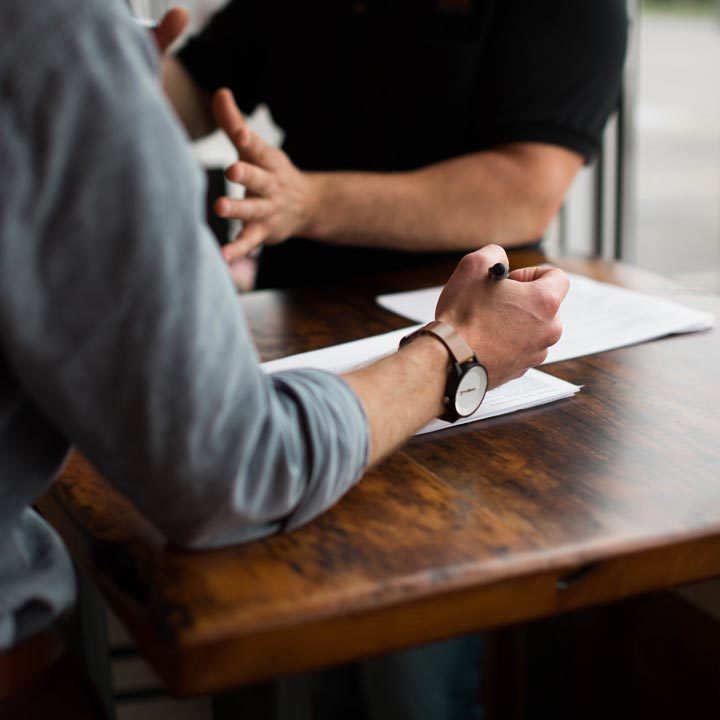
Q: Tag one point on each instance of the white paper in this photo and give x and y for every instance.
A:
(535, 388)
(532, 389)
(596, 316)
(345, 357)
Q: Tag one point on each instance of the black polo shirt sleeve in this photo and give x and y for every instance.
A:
(230, 52)
(555, 71)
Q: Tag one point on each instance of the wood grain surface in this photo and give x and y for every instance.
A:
(611, 493)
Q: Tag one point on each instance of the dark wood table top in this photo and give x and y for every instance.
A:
(588, 500)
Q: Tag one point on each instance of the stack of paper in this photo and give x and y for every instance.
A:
(535, 388)
(596, 316)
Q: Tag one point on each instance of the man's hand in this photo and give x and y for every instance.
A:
(510, 324)
(278, 198)
(170, 28)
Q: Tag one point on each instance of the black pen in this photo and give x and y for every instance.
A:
(499, 271)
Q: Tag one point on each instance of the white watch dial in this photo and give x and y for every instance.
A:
(471, 391)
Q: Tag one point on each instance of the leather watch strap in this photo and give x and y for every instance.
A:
(462, 362)
(448, 336)
(452, 339)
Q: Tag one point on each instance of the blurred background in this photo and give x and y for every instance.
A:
(677, 223)
(671, 214)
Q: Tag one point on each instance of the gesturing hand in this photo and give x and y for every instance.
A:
(511, 323)
(278, 198)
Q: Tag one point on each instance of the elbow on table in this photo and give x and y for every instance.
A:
(305, 447)
(204, 511)
(192, 537)
(208, 531)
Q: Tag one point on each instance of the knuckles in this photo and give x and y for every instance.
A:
(477, 263)
(540, 358)
(468, 264)
(547, 301)
(553, 332)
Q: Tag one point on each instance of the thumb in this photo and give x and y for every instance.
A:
(171, 27)
(550, 279)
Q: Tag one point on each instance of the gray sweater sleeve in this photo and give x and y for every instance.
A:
(117, 313)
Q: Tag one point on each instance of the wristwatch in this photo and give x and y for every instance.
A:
(467, 379)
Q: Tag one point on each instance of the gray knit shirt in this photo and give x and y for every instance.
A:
(120, 332)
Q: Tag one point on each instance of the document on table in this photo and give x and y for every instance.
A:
(596, 316)
(535, 388)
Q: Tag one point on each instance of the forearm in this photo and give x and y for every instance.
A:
(190, 102)
(401, 393)
(507, 196)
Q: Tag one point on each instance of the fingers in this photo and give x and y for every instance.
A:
(242, 272)
(545, 276)
(551, 285)
(255, 179)
(228, 116)
(250, 145)
(252, 235)
(529, 274)
(553, 333)
(171, 27)
(554, 280)
(255, 150)
(245, 209)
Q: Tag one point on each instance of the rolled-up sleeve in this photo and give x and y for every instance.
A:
(118, 316)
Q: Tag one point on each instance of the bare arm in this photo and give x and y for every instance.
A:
(401, 393)
(190, 102)
(507, 195)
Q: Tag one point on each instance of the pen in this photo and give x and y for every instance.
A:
(499, 271)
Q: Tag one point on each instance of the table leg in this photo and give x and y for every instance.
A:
(87, 636)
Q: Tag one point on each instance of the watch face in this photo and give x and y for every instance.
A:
(471, 391)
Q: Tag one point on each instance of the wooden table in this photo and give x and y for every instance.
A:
(588, 500)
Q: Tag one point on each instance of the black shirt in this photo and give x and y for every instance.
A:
(391, 85)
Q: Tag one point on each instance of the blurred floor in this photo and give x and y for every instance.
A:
(678, 213)
(139, 694)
